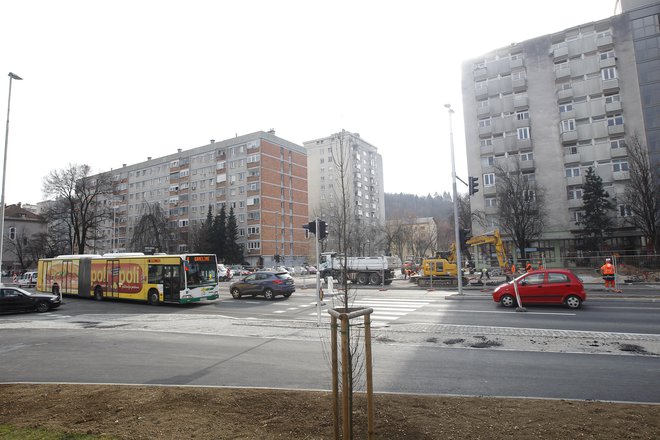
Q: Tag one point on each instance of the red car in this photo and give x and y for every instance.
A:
(545, 286)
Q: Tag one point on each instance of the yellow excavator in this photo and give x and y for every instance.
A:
(442, 270)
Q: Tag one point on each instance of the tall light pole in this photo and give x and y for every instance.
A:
(459, 266)
(12, 76)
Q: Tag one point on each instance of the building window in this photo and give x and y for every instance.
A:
(578, 216)
(618, 143)
(619, 165)
(482, 104)
(252, 245)
(615, 120)
(490, 202)
(574, 192)
(522, 115)
(488, 161)
(572, 172)
(484, 122)
(612, 98)
(486, 142)
(563, 108)
(567, 125)
(252, 230)
(523, 133)
(526, 156)
(529, 195)
(571, 149)
(489, 179)
(625, 211)
(606, 55)
(608, 73)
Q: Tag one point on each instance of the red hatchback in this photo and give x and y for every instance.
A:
(546, 286)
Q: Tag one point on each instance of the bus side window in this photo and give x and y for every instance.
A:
(155, 274)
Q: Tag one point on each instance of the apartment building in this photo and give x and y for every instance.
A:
(363, 178)
(261, 176)
(559, 104)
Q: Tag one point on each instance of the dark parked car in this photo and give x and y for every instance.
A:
(14, 299)
(266, 283)
(546, 286)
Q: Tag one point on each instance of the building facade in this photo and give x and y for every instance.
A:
(363, 177)
(22, 229)
(559, 104)
(262, 177)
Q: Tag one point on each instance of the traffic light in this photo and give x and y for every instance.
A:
(311, 227)
(323, 230)
(473, 185)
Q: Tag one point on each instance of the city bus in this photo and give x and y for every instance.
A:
(178, 279)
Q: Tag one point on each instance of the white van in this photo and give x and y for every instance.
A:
(28, 279)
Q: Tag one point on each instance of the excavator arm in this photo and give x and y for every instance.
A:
(494, 239)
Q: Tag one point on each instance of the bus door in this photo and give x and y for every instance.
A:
(84, 277)
(112, 284)
(172, 280)
(66, 278)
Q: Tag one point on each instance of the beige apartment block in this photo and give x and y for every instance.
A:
(559, 104)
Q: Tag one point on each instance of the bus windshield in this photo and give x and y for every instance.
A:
(201, 270)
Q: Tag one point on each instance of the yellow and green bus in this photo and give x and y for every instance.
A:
(178, 279)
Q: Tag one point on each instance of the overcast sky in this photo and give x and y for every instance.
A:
(113, 82)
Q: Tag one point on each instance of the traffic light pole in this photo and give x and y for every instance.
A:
(318, 275)
(459, 265)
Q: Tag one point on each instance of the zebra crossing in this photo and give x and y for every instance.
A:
(386, 309)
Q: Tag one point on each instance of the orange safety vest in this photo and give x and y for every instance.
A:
(607, 269)
(528, 268)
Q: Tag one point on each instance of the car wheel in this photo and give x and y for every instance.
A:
(268, 294)
(363, 278)
(573, 302)
(98, 293)
(42, 307)
(507, 301)
(235, 293)
(374, 279)
(154, 298)
(286, 295)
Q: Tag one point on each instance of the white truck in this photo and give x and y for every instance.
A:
(360, 270)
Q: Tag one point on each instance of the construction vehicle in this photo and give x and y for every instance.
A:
(493, 238)
(360, 270)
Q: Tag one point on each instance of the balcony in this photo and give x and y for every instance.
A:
(607, 62)
(526, 165)
(613, 107)
(574, 180)
(610, 85)
(569, 136)
(604, 41)
(567, 115)
(565, 94)
(480, 73)
(519, 85)
(620, 175)
(520, 102)
(564, 72)
(615, 129)
(560, 52)
(490, 190)
(486, 149)
(575, 203)
(480, 92)
(486, 131)
(572, 158)
(517, 63)
(619, 152)
(483, 111)
(522, 144)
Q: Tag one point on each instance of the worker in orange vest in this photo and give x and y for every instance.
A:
(528, 267)
(608, 272)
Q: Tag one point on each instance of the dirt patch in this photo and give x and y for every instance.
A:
(140, 412)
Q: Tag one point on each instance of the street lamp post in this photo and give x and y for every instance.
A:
(12, 76)
(459, 268)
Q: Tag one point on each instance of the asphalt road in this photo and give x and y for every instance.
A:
(115, 356)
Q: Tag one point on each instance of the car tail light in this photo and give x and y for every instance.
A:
(278, 281)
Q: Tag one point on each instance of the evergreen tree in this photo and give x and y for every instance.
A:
(220, 235)
(596, 223)
(206, 236)
(234, 251)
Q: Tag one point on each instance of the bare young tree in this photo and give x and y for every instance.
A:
(20, 247)
(77, 196)
(152, 229)
(520, 205)
(642, 193)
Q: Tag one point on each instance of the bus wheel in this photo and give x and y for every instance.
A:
(154, 299)
(98, 293)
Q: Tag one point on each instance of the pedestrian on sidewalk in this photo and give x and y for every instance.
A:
(609, 275)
